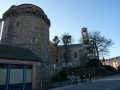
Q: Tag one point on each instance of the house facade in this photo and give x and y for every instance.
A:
(114, 62)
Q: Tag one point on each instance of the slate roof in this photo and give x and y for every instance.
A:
(71, 46)
(13, 52)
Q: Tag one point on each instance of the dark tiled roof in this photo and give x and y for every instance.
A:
(71, 46)
(17, 53)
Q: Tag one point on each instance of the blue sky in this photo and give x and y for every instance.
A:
(69, 16)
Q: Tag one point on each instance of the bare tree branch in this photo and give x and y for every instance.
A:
(99, 43)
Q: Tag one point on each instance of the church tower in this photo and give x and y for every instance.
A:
(85, 38)
(27, 26)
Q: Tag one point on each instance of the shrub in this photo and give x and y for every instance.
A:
(94, 62)
(110, 68)
(56, 78)
(62, 75)
(100, 70)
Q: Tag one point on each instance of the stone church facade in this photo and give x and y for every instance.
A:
(77, 55)
(77, 52)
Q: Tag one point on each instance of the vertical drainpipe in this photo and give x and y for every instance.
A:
(8, 77)
(24, 76)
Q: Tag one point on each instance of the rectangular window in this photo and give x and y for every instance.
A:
(3, 75)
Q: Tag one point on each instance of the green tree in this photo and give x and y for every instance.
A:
(56, 42)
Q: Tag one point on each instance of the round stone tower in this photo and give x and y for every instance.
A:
(27, 26)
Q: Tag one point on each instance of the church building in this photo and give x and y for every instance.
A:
(77, 53)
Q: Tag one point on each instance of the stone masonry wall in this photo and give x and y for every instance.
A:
(43, 74)
(53, 52)
(36, 78)
(48, 72)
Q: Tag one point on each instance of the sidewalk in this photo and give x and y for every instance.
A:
(70, 86)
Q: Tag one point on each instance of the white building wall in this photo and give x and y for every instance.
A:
(118, 60)
(114, 62)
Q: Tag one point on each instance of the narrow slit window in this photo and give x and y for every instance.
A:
(33, 40)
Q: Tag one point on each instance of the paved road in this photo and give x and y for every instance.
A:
(108, 83)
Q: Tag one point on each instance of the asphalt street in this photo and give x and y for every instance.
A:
(108, 83)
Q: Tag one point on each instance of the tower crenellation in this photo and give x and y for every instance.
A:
(26, 10)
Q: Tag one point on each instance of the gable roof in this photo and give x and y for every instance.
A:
(71, 46)
(13, 52)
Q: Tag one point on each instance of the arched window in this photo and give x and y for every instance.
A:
(75, 54)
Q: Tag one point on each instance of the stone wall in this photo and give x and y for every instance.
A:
(43, 74)
(36, 78)
(53, 52)
(48, 72)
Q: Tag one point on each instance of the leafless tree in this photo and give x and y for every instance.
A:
(99, 44)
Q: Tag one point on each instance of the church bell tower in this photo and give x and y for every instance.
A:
(85, 38)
